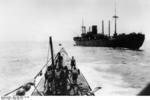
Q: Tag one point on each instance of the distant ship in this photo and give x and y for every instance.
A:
(94, 39)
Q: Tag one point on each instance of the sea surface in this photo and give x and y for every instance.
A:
(117, 71)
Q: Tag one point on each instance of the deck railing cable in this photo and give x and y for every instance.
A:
(61, 50)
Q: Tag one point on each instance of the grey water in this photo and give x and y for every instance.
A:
(117, 71)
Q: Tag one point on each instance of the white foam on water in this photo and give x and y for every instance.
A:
(112, 84)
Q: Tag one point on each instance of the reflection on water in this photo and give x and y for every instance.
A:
(118, 71)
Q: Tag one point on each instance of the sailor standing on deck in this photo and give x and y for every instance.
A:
(73, 62)
(49, 75)
(57, 79)
(64, 80)
(59, 60)
(75, 73)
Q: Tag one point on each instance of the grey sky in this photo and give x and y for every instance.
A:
(37, 19)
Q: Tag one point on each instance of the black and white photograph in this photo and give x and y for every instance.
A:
(74, 48)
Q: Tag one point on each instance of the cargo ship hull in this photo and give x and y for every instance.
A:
(131, 41)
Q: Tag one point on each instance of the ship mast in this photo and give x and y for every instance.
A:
(109, 27)
(83, 27)
(103, 27)
(115, 17)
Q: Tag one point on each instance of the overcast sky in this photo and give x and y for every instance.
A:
(37, 19)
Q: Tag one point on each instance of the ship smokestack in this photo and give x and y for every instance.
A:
(83, 27)
(109, 27)
(102, 27)
(94, 29)
(89, 29)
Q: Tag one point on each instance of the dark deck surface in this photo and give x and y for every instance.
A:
(81, 88)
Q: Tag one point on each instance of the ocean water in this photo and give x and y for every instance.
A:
(117, 71)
